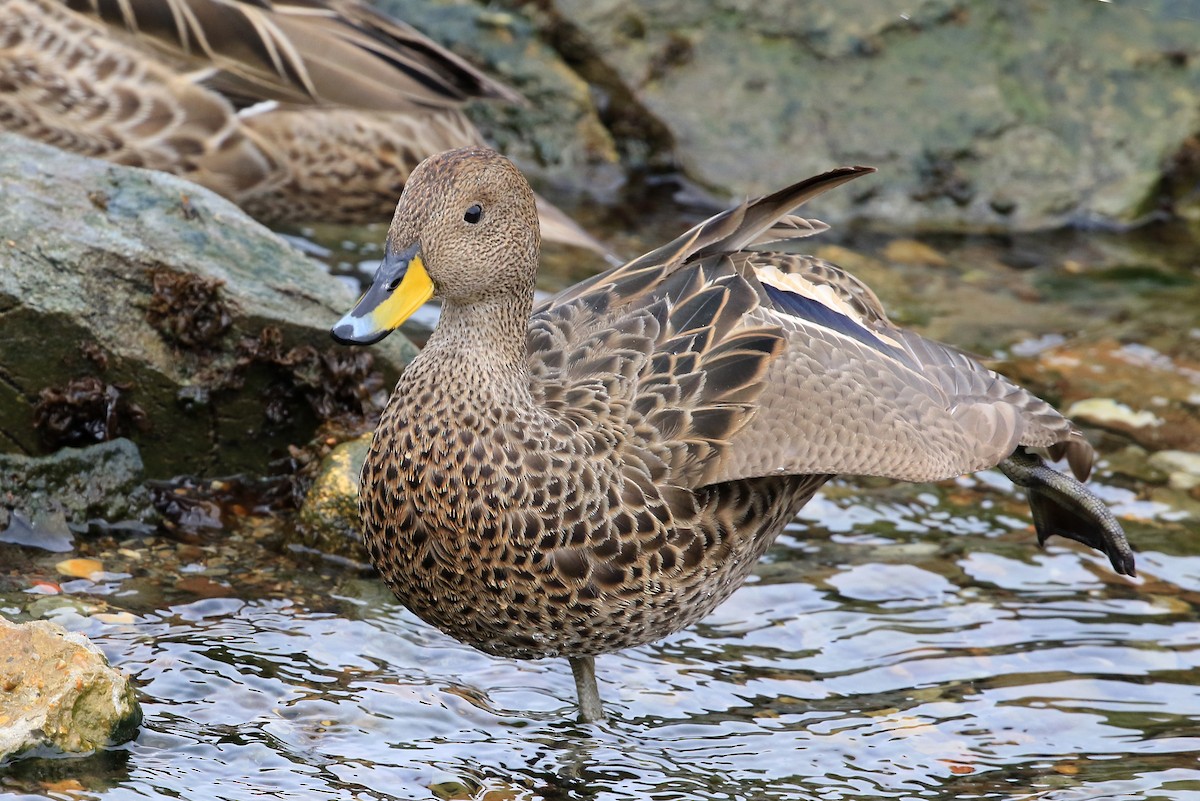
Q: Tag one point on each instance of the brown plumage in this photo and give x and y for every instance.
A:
(605, 469)
(297, 110)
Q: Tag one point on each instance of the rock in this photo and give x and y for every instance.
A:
(558, 138)
(64, 491)
(61, 607)
(329, 516)
(910, 251)
(1182, 468)
(59, 690)
(1146, 395)
(1134, 462)
(136, 304)
(980, 115)
(1110, 413)
(79, 567)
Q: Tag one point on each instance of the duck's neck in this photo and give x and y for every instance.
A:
(483, 344)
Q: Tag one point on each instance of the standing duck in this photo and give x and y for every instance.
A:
(299, 111)
(603, 470)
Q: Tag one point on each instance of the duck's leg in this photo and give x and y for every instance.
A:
(1063, 506)
(584, 669)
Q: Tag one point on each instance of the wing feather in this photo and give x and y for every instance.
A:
(307, 52)
(779, 364)
(855, 394)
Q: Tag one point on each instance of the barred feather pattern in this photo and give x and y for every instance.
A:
(604, 469)
(300, 111)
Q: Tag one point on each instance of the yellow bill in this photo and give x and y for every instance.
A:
(399, 288)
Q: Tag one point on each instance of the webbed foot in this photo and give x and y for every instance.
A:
(1063, 506)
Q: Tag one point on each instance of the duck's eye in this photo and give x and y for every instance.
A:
(474, 214)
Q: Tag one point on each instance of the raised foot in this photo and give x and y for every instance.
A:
(584, 669)
(1063, 506)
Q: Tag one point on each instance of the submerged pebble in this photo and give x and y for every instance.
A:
(79, 568)
(1106, 411)
(1182, 468)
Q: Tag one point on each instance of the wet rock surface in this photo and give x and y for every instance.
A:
(59, 691)
(329, 517)
(979, 115)
(560, 138)
(44, 499)
(137, 305)
(1129, 389)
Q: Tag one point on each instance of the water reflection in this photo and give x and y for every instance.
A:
(968, 665)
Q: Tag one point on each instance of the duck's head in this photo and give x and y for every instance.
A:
(465, 229)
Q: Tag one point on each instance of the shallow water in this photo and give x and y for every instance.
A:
(898, 641)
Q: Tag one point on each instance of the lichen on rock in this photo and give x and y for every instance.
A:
(62, 492)
(329, 516)
(58, 690)
(124, 318)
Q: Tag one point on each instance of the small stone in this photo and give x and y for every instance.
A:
(79, 568)
(1170, 604)
(1134, 462)
(1002, 203)
(204, 587)
(329, 516)
(67, 787)
(60, 691)
(1183, 481)
(452, 790)
(1106, 411)
(1177, 462)
(495, 19)
(1182, 468)
(910, 251)
(60, 605)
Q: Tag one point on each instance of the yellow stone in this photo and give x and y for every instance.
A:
(910, 251)
(79, 568)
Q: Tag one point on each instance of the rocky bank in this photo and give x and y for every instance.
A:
(58, 690)
(137, 305)
(980, 116)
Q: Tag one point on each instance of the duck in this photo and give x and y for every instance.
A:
(603, 469)
(299, 111)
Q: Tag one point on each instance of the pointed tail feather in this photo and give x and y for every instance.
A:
(752, 220)
(753, 223)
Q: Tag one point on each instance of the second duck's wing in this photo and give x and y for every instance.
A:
(323, 52)
(66, 81)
